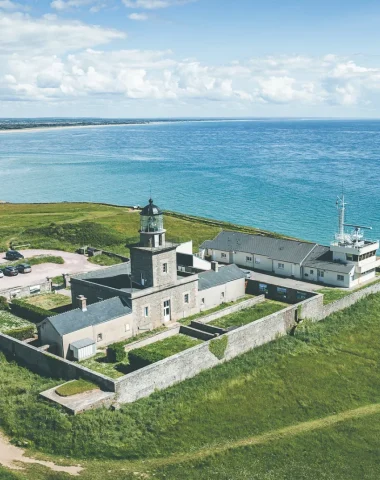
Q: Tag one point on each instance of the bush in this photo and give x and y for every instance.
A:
(116, 352)
(30, 312)
(21, 333)
(4, 305)
(141, 357)
(218, 346)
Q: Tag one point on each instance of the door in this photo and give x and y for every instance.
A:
(320, 275)
(167, 311)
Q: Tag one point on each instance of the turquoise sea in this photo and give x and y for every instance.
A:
(280, 175)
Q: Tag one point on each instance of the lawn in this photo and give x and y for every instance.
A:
(8, 321)
(99, 363)
(75, 387)
(48, 301)
(248, 315)
(68, 226)
(333, 294)
(303, 406)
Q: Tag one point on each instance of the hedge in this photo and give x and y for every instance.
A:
(30, 312)
(140, 357)
(4, 305)
(116, 352)
(21, 333)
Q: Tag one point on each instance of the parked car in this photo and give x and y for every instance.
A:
(10, 271)
(1, 274)
(13, 255)
(24, 268)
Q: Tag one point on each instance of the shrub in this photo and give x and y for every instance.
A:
(116, 352)
(218, 346)
(21, 333)
(30, 312)
(4, 305)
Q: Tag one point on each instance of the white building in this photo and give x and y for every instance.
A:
(349, 261)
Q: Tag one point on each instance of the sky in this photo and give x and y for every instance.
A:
(189, 58)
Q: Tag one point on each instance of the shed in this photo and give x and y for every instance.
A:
(83, 348)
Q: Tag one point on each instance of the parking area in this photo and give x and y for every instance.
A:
(74, 263)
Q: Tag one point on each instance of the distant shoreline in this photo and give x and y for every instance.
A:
(67, 127)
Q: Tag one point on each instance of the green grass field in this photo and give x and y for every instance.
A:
(68, 226)
(249, 315)
(300, 407)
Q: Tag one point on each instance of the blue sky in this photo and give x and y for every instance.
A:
(168, 58)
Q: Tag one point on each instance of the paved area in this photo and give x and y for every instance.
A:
(285, 282)
(80, 402)
(74, 263)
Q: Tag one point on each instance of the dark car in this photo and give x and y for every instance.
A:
(10, 271)
(13, 255)
(24, 268)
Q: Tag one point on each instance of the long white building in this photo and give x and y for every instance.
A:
(349, 261)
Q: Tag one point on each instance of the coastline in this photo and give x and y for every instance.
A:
(129, 124)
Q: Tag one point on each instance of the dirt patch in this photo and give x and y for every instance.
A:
(10, 456)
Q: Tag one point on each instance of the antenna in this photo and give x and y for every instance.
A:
(341, 206)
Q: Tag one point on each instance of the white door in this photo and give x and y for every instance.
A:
(167, 311)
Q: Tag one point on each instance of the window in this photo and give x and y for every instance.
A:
(311, 272)
(146, 311)
(99, 337)
(301, 295)
(263, 288)
(281, 292)
(257, 260)
(340, 278)
(248, 259)
(203, 301)
(223, 255)
(321, 274)
(222, 294)
(281, 266)
(349, 256)
(186, 298)
(165, 268)
(127, 327)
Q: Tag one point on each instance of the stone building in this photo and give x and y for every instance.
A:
(151, 290)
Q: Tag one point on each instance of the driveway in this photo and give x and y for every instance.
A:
(74, 263)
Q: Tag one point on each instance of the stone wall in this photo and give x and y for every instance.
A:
(346, 302)
(22, 292)
(232, 309)
(51, 365)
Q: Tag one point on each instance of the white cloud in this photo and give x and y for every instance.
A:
(67, 4)
(140, 17)
(154, 4)
(23, 33)
(9, 5)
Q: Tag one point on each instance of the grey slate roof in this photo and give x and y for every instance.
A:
(85, 342)
(96, 313)
(322, 258)
(292, 251)
(226, 274)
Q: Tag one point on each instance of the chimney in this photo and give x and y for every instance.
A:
(82, 303)
(215, 266)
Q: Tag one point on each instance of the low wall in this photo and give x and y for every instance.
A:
(189, 363)
(232, 309)
(51, 365)
(22, 292)
(346, 302)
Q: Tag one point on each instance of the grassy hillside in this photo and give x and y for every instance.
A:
(67, 226)
(301, 407)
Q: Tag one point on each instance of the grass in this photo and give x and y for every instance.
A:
(8, 321)
(38, 260)
(226, 423)
(222, 306)
(75, 387)
(48, 301)
(105, 260)
(170, 346)
(243, 317)
(68, 226)
(331, 295)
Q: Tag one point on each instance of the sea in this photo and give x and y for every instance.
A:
(282, 175)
